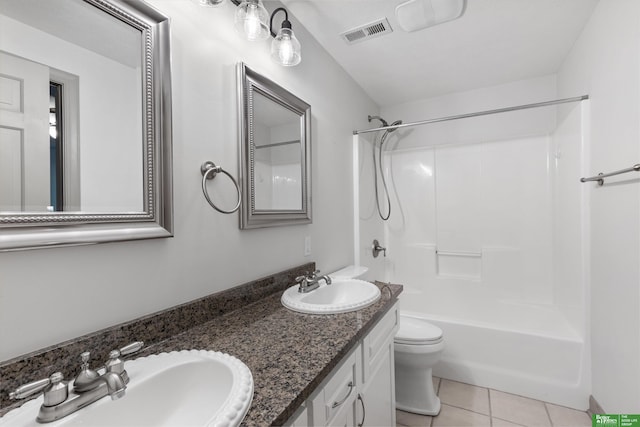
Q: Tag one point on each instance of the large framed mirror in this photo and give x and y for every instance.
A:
(275, 153)
(85, 123)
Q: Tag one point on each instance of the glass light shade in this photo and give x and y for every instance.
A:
(252, 20)
(285, 48)
(209, 3)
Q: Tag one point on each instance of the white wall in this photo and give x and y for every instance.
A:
(488, 128)
(605, 64)
(569, 161)
(369, 224)
(491, 127)
(47, 296)
(487, 208)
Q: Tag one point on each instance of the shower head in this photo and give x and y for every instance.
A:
(384, 122)
(396, 123)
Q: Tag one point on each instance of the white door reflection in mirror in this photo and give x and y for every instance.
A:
(102, 168)
(24, 134)
(277, 156)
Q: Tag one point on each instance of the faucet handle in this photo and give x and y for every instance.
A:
(300, 279)
(56, 390)
(131, 348)
(116, 365)
(376, 249)
(27, 390)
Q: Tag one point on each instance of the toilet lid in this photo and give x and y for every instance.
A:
(417, 331)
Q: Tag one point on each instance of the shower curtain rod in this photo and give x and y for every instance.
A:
(480, 113)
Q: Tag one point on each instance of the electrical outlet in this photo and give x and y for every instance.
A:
(307, 246)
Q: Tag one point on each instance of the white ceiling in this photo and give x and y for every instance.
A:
(494, 42)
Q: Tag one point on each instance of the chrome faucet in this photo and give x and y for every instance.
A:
(89, 386)
(311, 281)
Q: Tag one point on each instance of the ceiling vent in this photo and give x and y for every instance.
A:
(367, 31)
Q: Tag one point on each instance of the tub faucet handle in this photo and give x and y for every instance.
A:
(376, 249)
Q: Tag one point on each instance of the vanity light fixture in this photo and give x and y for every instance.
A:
(210, 3)
(285, 47)
(251, 22)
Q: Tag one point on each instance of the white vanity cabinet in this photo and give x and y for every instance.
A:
(361, 387)
(377, 386)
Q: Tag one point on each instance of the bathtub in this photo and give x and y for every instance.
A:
(525, 350)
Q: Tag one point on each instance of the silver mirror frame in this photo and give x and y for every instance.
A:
(31, 230)
(249, 82)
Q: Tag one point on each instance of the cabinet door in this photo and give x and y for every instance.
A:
(375, 343)
(378, 396)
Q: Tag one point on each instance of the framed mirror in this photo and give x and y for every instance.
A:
(85, 123)
(275, 153)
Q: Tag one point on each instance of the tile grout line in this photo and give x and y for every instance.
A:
(546, 409)
(490, 411)
(466, 409)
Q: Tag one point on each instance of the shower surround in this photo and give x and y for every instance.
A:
(488, 236)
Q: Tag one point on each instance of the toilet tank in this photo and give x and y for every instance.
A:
(349, 272)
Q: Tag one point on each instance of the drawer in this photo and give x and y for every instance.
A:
(340, 391)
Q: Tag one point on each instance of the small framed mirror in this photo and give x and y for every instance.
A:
(275, 145)
(85, 123)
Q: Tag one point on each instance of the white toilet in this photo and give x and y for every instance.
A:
(418, 345)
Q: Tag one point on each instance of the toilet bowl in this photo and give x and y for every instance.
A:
(417, 348)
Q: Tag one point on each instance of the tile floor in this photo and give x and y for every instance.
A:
(468, 405)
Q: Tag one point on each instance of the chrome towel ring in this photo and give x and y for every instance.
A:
(209, 170)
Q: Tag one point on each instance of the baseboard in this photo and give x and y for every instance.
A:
(594, 407)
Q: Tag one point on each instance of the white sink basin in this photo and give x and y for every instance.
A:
(342, 296)
(185, 388)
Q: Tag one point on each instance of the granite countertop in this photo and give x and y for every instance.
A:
(289, 353)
